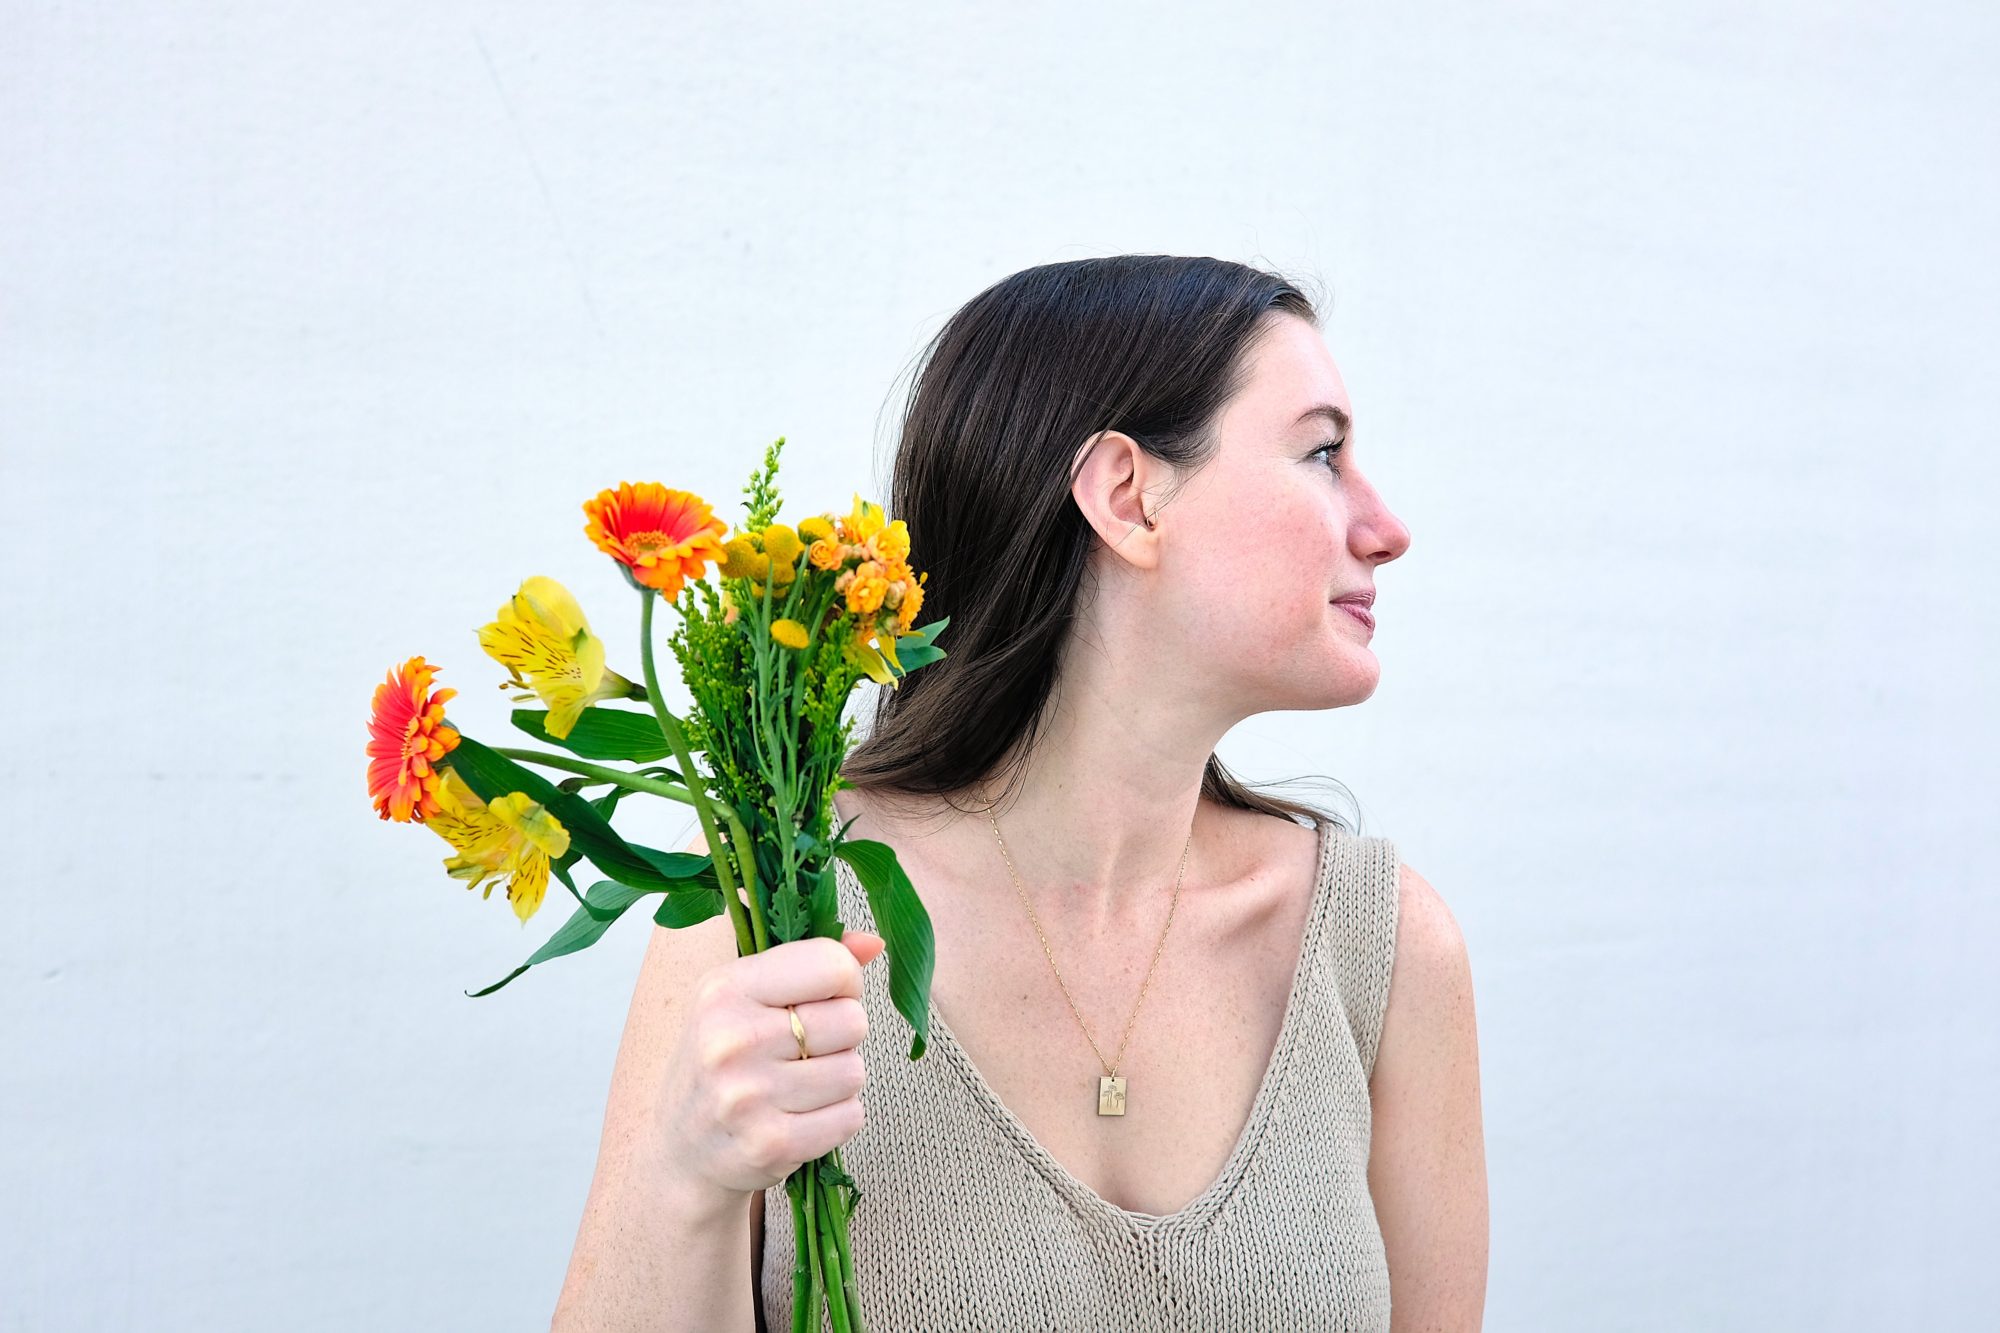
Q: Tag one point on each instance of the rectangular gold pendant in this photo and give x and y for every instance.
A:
(1110, 1095)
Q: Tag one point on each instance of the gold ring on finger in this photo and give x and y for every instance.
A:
(798, 1031)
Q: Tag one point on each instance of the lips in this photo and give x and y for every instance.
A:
(1357, 604)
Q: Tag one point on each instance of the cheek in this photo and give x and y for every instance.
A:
(1299, 535)
(1284, 565)
(1276, 553)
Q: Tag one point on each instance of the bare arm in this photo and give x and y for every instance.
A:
(1427, 1159)
(713, 1100)
(656, 1250)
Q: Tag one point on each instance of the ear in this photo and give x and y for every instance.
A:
(1113, 485)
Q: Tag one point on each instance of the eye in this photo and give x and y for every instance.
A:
(1330, 449)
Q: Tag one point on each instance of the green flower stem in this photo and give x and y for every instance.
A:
(836, 1292)
(762, 726)
(616, 777)
(840, 1215)
(802, 1293)
(760, 932)
(816, 1290)
(837, 1299)
(841, 1258)
(671, 729)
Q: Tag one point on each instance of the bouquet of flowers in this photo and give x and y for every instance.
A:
(769, 652)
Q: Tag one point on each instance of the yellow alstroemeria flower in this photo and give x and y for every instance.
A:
(546, 645)
(875, 653)
(512, 836)
(864, 656)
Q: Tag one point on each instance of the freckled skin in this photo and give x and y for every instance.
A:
(1263, 538)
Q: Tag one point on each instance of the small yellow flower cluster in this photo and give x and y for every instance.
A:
(771, 555)
(869, 558)
(881, 577)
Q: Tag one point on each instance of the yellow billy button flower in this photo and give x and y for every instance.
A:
(817, 528)
(512, 836)
(790, 633)
(738, 556)
(782, 544)
(546, 645)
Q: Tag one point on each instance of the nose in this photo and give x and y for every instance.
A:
(1374, 534)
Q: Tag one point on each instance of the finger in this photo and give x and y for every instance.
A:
(820, 1131)
(797, 971)
(831, 1025)
(865, 945)
(807, 1085)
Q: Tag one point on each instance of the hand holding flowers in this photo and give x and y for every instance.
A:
(770, 653)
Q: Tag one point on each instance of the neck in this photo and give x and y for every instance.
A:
(1097, 818)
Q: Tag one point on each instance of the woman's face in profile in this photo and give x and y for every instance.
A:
(1286, 526)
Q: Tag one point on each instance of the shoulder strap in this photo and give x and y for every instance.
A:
(1363, 937)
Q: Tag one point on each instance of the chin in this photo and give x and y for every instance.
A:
(1347, 681)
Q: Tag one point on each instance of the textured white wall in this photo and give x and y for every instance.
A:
(1671, 331)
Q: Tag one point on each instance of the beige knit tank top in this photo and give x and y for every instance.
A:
(966, 1222)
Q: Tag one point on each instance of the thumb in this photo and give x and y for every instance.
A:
(865, 945)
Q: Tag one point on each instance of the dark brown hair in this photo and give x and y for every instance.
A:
(1007, 392)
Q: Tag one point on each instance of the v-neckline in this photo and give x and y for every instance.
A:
(1204, 1204)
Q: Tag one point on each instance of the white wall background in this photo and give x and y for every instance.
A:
(1671, 330)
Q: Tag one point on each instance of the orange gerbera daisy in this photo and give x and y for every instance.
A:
(660, 536)
(407, 735)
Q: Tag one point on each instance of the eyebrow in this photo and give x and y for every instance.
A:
(1337, 415)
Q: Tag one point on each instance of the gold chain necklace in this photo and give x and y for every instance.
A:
(1110, 1088)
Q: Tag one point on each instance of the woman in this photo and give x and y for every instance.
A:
(1132, 483)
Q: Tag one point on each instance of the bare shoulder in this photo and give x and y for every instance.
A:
(1433, 971)
(675, 960)
(1427, 1158)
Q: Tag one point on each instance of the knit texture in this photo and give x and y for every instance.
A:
(966, 1222)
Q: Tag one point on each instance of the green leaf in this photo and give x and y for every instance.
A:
(605, 903)
(824, 903)
(561, 871)
(789, 918)
(602, 733)
(904, 925)
(688, 908)
(916, 655)
(918, 647)
(927, 633)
